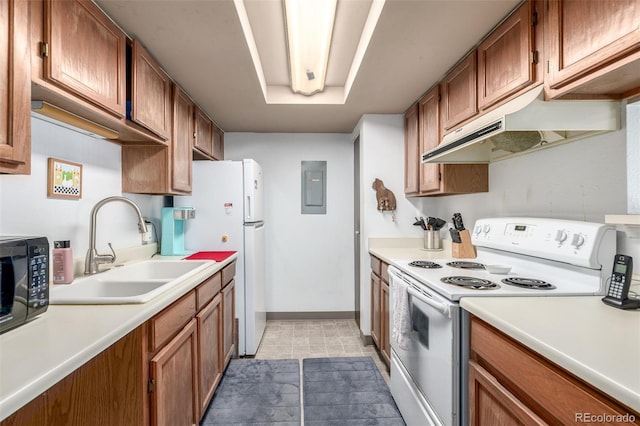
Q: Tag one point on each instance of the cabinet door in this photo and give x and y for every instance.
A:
(181, 150)
(385, 342)
(150, 93)
(492, 404)
(429, 130)
(218, 144)
(174, 401)
(228, 319)
(15, 88)
(203, 142)
(411, 151)
(504, 58)
(375, 309)
(87, 53)
(459, 89)
(209, 350)
(583, 36)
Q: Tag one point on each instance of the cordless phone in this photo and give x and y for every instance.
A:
(618, 293)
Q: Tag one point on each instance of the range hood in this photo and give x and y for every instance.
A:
(525, 124)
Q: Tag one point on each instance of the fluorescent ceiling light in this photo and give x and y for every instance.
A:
(275, 87)
(61, 117)
(309, 28)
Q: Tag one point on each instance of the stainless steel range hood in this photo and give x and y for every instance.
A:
(525, 124)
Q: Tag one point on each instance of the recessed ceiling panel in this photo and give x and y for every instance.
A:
(350, 19)
(266, 18)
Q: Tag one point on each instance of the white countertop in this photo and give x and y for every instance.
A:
(37, 355)
(388, 254)
(597, 343)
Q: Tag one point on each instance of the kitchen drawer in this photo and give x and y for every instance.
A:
(170, 321)
(206, 291)
(376, 265)
(553, 393)
(383, 272)
(228, 273)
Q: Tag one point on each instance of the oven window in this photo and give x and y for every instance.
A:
(420, 324)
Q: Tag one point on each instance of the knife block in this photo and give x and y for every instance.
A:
(464, 249)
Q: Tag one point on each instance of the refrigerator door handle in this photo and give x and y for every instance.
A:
(249, 211)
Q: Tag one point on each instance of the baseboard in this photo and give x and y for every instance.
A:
(311, 315)
(366, 340)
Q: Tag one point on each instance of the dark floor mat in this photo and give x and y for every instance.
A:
(257, 392)
(346, 391)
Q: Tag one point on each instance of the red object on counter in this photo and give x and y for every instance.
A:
(218, 256)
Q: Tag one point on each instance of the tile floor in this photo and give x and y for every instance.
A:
(299, 339)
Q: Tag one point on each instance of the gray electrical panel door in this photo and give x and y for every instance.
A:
(314, 187)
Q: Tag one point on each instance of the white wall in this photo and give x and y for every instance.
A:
(382, 157)
(25, 208)
(309, 258)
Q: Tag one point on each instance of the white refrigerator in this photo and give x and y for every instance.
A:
(228, 199)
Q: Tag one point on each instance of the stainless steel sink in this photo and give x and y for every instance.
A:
(136, 283)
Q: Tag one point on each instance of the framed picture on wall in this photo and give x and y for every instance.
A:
(64, 179)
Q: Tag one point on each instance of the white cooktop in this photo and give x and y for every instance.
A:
(575, 257)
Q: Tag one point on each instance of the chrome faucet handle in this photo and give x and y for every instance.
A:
(113, 253)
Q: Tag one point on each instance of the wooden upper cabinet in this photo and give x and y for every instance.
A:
(594, 42)
(204, 133)
(181, 146)
(411, 150)
(86, 53)
(429, 130)
(505, 62)
(458, 89)
(15, 88)
(154, 169)
(218, 143)
(150, 93)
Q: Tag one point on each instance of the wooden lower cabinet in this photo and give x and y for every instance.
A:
(228, 319)
(162, 373)
(174, 380)
(375, 309)
(380, 308)
(491, 403)
(107, 390)
(210, 354)
(385, 341)
(510, 384)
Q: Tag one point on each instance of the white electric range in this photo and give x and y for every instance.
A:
(429, 330)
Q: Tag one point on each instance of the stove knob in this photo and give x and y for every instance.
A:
(486, 228)
(561, 236)
(477, 229)
(577, 241)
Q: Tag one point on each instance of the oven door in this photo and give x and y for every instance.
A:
(427, 361)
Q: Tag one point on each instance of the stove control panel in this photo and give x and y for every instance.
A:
(574, 242)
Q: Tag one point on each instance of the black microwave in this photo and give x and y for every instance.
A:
(24, 275)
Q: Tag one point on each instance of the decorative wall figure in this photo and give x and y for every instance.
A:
(386, 199)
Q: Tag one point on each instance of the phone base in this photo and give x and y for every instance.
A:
(622, 304)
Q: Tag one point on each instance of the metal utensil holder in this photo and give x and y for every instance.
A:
(432, 240)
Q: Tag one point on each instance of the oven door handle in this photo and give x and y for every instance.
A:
(441, 307)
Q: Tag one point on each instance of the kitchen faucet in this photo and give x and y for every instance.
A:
(94, 259)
